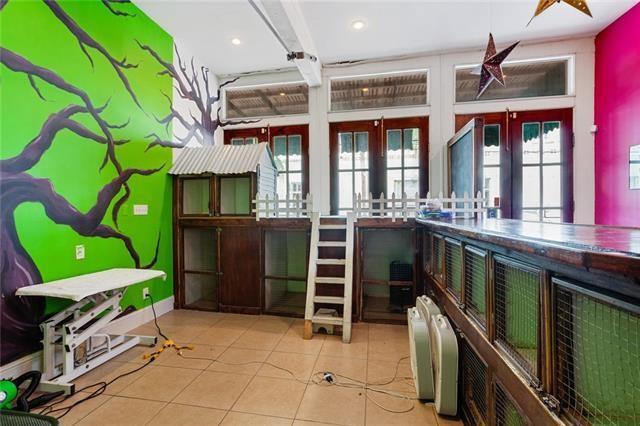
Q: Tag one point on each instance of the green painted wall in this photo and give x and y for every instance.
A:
(73, 163)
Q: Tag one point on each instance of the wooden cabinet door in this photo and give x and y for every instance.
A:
(240, 269)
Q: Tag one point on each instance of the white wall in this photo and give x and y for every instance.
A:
(442, 109)
(185, 107)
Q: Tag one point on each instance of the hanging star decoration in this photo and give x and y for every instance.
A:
(491, 67)
(543, 5)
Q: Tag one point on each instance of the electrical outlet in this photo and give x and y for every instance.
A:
(140, 209)
(79, 252)
(145, 292)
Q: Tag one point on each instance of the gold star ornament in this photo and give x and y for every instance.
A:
(581, 5)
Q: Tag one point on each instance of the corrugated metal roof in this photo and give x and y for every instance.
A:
(221, 159)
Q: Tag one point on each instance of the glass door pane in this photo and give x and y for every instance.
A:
(402, 162)
(542, 166)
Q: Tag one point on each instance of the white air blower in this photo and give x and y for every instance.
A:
(434, 355)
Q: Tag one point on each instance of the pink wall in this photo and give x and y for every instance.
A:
(617, 114)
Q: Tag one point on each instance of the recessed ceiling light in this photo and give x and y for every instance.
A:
(235, 41)
(282, 93)
(358, 25)
(365, 89)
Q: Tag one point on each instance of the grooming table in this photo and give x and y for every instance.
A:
(73, 340)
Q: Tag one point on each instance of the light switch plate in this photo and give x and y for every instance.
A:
(79, 252)
(140, 209)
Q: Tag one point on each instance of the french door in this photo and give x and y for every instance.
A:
(290, 148)
(387, 156)
(528, 163)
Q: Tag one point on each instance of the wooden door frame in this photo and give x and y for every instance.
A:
(266, 134)
(501, 119)
(369, 126)
(565, 116)
(377, 148)
(508, 183)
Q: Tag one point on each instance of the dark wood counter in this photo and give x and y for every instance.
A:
(605, 248)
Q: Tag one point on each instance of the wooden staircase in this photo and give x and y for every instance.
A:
(330, 278)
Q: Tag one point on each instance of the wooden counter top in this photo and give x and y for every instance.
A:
(612, 249)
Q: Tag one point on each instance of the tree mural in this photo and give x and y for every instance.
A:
(20, 317)
(193, 86)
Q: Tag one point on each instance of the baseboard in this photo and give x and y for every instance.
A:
(119, 326)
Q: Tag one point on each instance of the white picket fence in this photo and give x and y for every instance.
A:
(405, 207)
(266, 206)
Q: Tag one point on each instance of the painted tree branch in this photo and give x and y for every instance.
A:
(84, 40)
(193, 86)
(109, 5)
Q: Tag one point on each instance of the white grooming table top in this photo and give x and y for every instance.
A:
(82, 286)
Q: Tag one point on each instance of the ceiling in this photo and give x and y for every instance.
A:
(393, 27)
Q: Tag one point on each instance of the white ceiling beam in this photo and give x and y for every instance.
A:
(287, 19)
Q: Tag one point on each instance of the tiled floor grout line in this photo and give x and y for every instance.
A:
(295, 416)
(256, 373)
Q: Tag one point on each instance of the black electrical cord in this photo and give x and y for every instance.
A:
(155, 318)
(102, 385)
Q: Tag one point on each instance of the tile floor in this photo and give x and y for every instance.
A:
(177, 391)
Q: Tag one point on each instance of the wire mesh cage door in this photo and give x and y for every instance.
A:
(474, 385)
(453, 267)
(506, 411)
(517, 305)
(427, 251)
(597, 361)
(475, 284)
(437, 266)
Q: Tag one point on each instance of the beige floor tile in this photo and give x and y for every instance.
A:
(123, 411)
(292, 341)
(389, 349)
(170, 357)
(183, 334)
(307, 423)
(260, 340)
(79, 411)
(186, 415)
(239, 361)
(189, 317)
(218, 336)
(237, 322)
(160, 383)
(271, 397)
(214, 390)
(109, 371)
(136, 354)
(334, 346)
(272, 324)
(242, 419)
(381, 374)
(333, 404)
(405, 411)
(354, 368)
(300, 365)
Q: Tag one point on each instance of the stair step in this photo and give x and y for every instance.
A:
(332, 227)
(331, 261)
(332, 243)
(326, 319)
(329, 280)
(329, 299)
